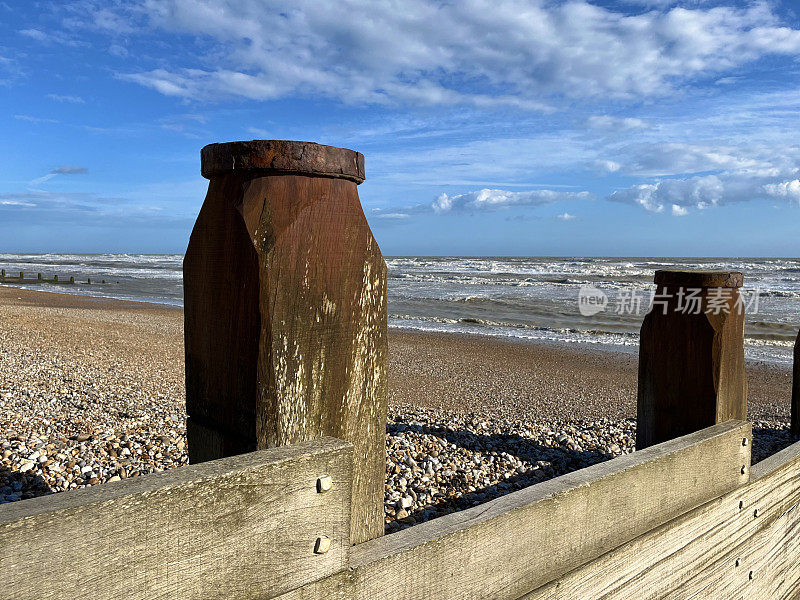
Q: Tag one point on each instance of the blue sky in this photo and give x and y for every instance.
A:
(489, 126)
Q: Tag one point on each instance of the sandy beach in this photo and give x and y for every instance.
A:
(91, 390)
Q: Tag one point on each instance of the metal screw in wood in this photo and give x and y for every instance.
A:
(322, 545)
(324, 483)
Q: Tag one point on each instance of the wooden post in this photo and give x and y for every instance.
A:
(285, 310)
(796, 388)
(691, 355)
(72, 279)
(2, 273)
(21, 275)
(39, 276)
(55, 277)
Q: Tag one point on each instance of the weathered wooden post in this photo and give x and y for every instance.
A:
(21, 275)
(2, 273)
(285, 310)
(39, 276)
(796, 388)
(691, 355)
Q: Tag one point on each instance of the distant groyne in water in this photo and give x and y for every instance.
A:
(9, 278)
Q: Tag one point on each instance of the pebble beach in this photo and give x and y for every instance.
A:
(91, 391)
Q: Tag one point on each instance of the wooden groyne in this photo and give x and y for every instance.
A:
(21, 278)
(289, 346)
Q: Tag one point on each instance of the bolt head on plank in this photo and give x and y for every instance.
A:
(322, 545)
(324, 483)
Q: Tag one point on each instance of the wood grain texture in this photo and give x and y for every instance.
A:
(286, 324)
(718, 551)
(511, 545)
(696, 278)
(691, 362)
(237, 528)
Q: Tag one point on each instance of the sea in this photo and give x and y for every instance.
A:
(525, 298)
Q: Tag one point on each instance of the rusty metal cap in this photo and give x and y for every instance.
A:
(699, 279)
(282, 156)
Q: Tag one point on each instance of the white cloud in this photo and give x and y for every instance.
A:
(51, 37)
(566, 217)
(69, 170)
(514, 52)
(679, 211)
(671, 158)
(34, 34)
(607, 123)
(707, 191)
(606, 166)
(62, 170)
(392, 215)
(700, 192)
(87, 209)
(31, 119)
(487, 199)
(784, 189)
(66, 98)
(16, 203)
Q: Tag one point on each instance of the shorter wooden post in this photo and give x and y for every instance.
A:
(2, 273)
(55, 277)
(39, 276)
(21, 275)
(88, 281)
(796, 388)
(691, 356)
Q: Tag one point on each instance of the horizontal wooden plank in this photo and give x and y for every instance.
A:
(722, 550)
(511, 545)
(236, 528)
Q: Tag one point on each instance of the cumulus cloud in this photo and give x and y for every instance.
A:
(529, 51)
(785, 189)
(702, 192)
(487, 199)
(679, 211)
